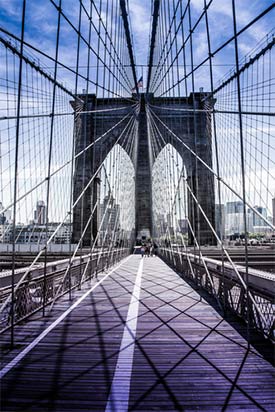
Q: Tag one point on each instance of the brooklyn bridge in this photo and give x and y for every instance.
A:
(137, 205)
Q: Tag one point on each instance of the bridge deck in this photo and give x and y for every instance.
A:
(177, 354)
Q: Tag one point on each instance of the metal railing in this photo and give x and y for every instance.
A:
(36, 292)
(220, 280)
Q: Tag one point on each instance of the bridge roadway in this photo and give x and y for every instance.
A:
(142, 339)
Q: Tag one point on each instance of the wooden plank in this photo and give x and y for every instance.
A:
(187, 357)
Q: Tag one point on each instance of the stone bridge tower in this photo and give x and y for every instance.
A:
(192, 128)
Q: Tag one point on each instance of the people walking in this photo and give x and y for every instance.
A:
(142, 250)
(147, 249)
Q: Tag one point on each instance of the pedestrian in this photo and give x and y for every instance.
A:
(147, 250)
(155, 249)
(142, 251)
(152, 250)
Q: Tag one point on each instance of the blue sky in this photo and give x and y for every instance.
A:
(41, 17)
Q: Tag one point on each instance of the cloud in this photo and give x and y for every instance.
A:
(140, 15)
(40, 31)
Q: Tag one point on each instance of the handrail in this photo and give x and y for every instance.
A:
(29, 299)
(228, 287)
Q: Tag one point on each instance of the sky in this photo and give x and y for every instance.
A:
(41, 27)
(221, 27)
(41, 22)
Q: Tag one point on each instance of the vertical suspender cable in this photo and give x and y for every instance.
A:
(50, 153)
(242, 165)
(16, 171)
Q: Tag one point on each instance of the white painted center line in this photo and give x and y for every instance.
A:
(35, 342)
(120, 390)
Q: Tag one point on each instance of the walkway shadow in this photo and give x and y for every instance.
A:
(263, 346)
(190, 351)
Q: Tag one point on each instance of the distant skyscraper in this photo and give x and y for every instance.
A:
(2, 216)
(220, 220)
(5, 217)
(255, 219)
(234, 207)
(40, 213)
(249, 216)
(234, 218)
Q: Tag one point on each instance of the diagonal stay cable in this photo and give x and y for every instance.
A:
(6, 302)
(67, 163)
(212, 171)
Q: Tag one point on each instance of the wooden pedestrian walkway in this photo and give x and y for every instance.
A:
(142, 340)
